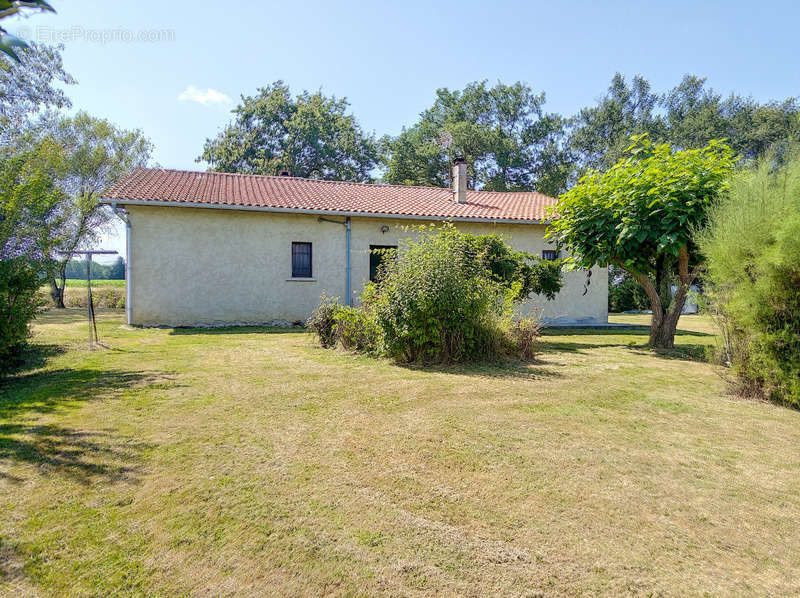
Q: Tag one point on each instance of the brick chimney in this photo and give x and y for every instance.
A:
(459, 180)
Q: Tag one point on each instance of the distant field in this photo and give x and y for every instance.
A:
(106, 293)
(96, 282)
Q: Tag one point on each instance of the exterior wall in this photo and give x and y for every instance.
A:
(193, 266)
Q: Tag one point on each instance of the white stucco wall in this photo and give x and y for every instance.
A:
(193, 266)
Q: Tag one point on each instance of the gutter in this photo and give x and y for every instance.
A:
(128, 280)
(186, 204)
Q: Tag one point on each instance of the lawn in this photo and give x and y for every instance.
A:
(250, 462)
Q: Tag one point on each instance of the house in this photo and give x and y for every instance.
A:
(207, 248)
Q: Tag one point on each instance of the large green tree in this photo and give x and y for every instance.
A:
(97, 154)
(30, 211)
(310, 135)
(640, 215)
(600, 134)
(28, 89)
(687, 116)
(503, 132)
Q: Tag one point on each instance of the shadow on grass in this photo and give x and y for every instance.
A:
(500, 369)
(35, 355)
(236, 330)
(48, 390)
(85, 457)
(683, 351)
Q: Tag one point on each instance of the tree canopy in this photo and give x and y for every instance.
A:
(507, 139)
(310, 135)
(96, 154)
(688, 116)
(29, 88)
(641, 215)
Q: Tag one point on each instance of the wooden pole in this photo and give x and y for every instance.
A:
(89, 298)
(93, 337)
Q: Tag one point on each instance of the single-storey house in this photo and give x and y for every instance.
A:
(210, 249)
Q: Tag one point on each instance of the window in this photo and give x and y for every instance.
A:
(549, 254)
(376, 257)
(301, 260)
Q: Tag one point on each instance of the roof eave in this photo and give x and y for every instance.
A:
(186, 204)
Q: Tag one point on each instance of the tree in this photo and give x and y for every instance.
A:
(754, 286)
(97, 155)
(694, 114)
(30, 206)
(117, 269)
(10, 44)
(508, 141)
(599, 135)
(310, 135)
(28, 88)
(640, 215)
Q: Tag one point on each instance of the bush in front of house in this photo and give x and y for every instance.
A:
(355, 329)
(446, 297)
(19, 301)
(323, 319)
(752, 249)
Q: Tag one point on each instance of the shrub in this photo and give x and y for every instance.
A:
(752, 249)
(323, 319)
(524, 334)
(19, 301)
(355, 330)
(446, 295)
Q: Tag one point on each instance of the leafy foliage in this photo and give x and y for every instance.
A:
(29, 203)
(688, 116)
(310, 135)
(640, 215)
(752, 247)
(624, 293)
(323, 319)
(76, 269)
(19, 302)
(356, 330)
(507, 139)
(97, 154)
(10, 45)
(29, 88)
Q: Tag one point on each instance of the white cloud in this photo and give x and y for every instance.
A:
(206, 97)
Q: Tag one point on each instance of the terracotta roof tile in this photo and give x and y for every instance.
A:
(292, 193)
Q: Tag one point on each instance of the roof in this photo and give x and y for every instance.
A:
(159, 186)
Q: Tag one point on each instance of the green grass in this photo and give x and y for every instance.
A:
(77, 283)
(250, 462)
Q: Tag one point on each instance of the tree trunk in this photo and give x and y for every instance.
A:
(57, 294)
(664, 323)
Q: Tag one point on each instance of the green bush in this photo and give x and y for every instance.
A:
(445, 297)
(355, 330)
(323, 319)
(752, 249)
(19, 301)
(447, 294)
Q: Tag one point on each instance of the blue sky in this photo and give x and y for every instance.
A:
(388, 58)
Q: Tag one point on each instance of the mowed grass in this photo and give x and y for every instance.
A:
(249, 462)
